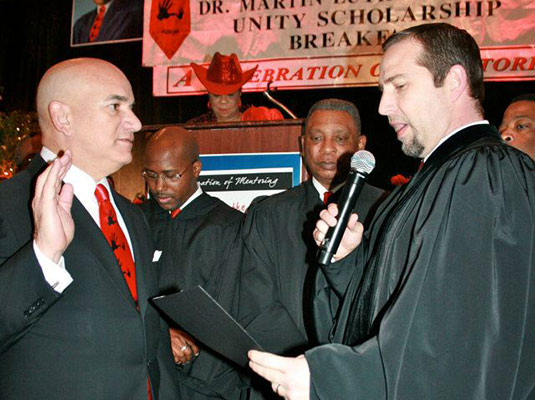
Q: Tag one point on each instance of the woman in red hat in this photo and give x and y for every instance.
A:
(223, 80)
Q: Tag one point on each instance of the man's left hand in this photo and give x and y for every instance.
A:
(289, 377)
(183, 346)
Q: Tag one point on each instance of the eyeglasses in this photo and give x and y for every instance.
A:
(152, 177)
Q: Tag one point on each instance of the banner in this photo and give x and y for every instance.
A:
(300, 44)
(237, 179)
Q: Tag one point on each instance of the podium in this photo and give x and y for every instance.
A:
(219, 138)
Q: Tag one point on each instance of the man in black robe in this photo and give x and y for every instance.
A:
(445, 308)
(199, 237)
(279, 273)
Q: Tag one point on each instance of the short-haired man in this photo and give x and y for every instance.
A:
(76, 322)
(279, 269)
(518, 124)
(446, 306)
(199, 237)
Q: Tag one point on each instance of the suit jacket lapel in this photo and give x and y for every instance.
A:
(89, 235)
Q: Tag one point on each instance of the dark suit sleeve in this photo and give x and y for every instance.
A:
(24, 293)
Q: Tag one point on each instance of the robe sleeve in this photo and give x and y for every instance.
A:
(331, 284)
(262, 312)
(459, 323)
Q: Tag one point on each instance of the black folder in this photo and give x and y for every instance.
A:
(202, 317)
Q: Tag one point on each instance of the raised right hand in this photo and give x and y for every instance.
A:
(54, 226)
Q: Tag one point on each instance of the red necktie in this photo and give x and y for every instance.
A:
(326, 196)
(116, 238)
(95, 29)
(175, 212)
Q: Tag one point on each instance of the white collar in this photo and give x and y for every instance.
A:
(83, 184)
(197, 193)
(321, 189)
(482, 122)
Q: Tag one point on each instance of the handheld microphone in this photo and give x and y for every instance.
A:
(362, 163)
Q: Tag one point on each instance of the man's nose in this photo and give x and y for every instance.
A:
(327, 145)
(160, 183)
(386, 105)
(133, 122)
(507, 135)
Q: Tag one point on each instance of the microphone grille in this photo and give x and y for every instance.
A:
(363, 161)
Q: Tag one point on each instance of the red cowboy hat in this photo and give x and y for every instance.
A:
(224, 75)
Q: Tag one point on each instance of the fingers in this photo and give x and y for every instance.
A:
(193, 348)
(289, 377)
(278, 389)
(49, 182)
(268, 366)
(53, 228)
(66, 196)
(267, 360)
(329, 214)
(351, 239)
(352, 234)
(183, 347)
(352, 223)
(328, 220)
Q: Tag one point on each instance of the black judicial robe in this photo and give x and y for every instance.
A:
(446, 307)
(202, 246)
(279, 269)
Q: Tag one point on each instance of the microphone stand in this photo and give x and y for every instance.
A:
(268, 95)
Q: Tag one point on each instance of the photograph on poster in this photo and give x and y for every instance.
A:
(105, 21)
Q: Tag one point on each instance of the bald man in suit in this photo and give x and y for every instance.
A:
(71, 327)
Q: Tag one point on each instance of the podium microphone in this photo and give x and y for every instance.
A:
(362, 163)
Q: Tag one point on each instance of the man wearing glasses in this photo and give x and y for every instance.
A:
(199, 237)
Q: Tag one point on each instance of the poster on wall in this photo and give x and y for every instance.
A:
(106, 21)
(305, 44)
(237, 179)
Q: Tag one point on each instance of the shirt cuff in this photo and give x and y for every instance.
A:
(55, 274)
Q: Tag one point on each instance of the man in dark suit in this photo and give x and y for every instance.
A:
(279, 274)
(71, 326)
(119, 19)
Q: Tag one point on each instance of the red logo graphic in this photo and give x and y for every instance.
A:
(170, 24)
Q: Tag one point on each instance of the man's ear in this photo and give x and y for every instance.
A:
(362, 142)
(197, 168)
(302, 145)
(60, 116)
(456, 81)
